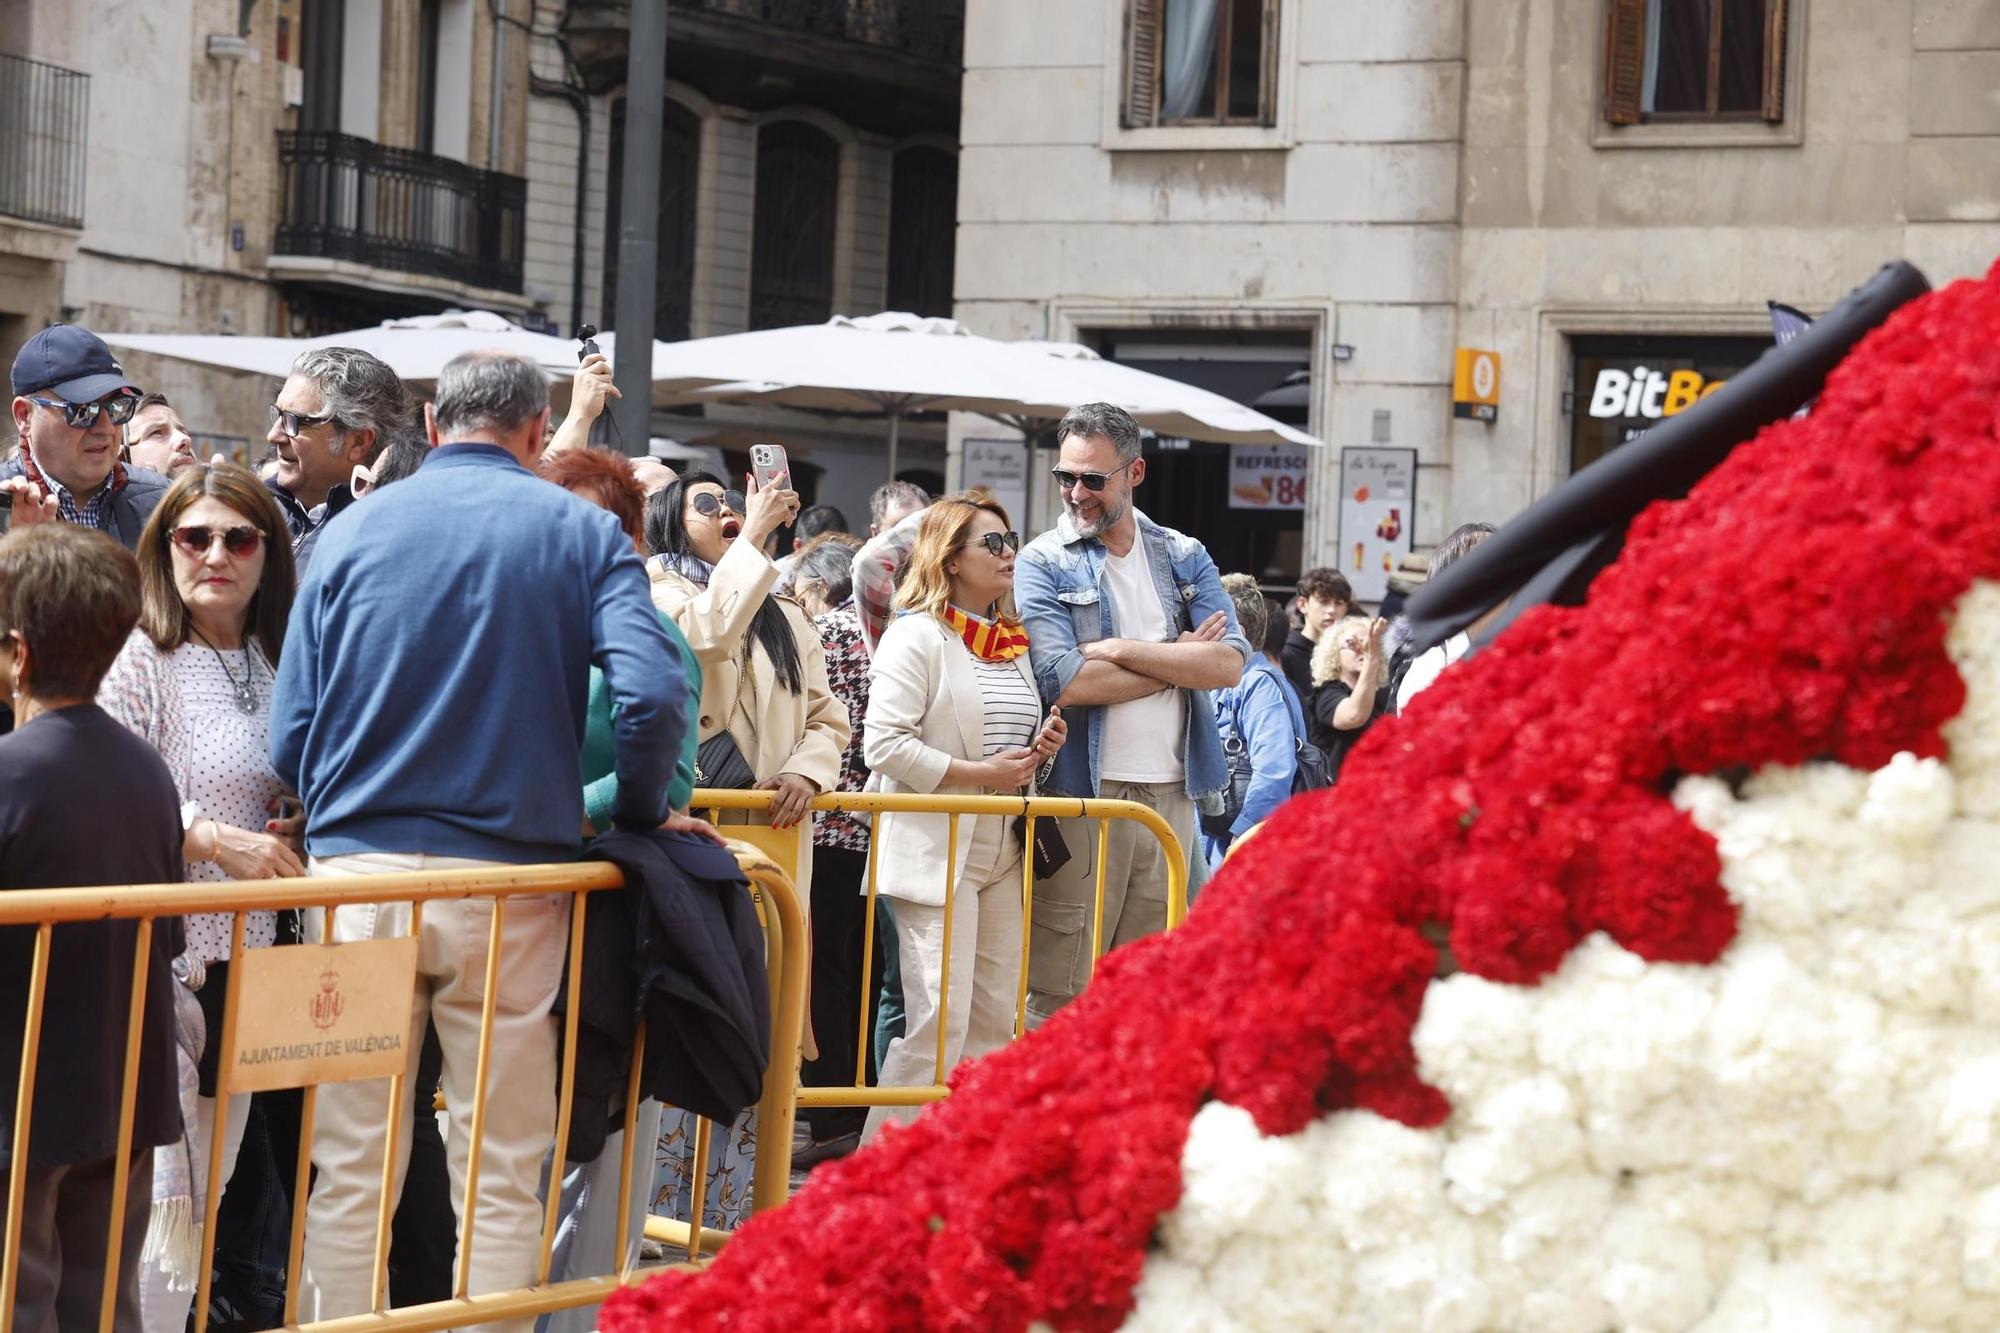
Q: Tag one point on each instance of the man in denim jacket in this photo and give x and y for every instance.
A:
(1129, 631)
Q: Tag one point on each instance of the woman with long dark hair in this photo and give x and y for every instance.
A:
(764, 687)
(194, 681)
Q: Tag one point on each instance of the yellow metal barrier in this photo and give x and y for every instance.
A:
(44, 909)
(714, 801)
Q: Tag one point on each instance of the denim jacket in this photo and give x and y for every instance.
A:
(1060, 590)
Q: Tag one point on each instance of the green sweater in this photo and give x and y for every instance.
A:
(600, 742)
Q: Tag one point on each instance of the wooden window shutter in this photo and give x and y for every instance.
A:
(1624, 60)
(1142, 63)
(1267, 111)
(1774, 61)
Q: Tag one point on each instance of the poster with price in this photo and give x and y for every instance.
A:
(1378, 495)
(1268, 476)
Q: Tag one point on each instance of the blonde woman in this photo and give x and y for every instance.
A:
(953, 710)
(1350, 686)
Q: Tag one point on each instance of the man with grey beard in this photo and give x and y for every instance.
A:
(1129, 630)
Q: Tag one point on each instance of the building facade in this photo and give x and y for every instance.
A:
(289, 167)
(809, 168)
(1313, 203)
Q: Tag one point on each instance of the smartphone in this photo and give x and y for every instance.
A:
(1055, 711)
(768, 462)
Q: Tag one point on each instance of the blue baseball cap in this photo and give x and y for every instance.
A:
(71, 361)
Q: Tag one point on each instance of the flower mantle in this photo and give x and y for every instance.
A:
(1752, 745)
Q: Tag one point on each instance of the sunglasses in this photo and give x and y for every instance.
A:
(294, 424)
(81, 416)
(1092, 481)
(708, 504)
(197, 539)
(996, 542)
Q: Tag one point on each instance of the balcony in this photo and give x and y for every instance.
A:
(345, 198)
(886, 66)
(46, 112)
(929, 30)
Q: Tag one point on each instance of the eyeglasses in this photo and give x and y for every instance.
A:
(996, 542)
(1092, 481)
(708, 504)
(197, 539)
(294, 424)
(81, 416)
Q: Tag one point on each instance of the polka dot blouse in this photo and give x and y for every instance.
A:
(184, 705)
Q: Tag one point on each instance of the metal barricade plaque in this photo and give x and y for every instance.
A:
(319, 1013)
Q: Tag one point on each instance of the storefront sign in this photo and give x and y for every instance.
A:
(1269, 476)
(316, 1013)
(1651, 394)
(1475, 385)
(1626, 386)
(1001, 467)
(1378, 496)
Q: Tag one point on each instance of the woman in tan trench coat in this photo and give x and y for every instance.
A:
(764, 683)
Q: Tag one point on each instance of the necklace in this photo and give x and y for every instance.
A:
(245, 690)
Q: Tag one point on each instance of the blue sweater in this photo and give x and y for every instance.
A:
(1271, 722)
(431, 695)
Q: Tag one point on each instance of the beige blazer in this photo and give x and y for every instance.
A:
(925, 709)
(777, 730)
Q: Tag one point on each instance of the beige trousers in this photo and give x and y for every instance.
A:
(1135, 892)
(520, 1121)
(978, 1014)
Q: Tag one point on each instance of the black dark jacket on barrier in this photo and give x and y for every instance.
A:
(680, 946)
(1553, 550)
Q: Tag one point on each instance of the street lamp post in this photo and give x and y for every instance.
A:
(638, 222)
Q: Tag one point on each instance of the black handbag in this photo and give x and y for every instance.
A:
(719, 763)
(1050, 853)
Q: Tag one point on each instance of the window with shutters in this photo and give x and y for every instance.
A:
(1200, 62)
(792, 233)
(1696, 61)
(923, 224)
(680, 173)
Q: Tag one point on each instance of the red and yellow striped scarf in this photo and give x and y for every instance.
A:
(1000, 640)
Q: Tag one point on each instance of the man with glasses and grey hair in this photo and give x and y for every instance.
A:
(482, 595)
(338, 409)
(71, 403)
(1129, 630)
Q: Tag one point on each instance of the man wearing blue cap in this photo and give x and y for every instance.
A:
(71, 402)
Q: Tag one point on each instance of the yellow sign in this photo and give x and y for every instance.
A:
(1475, 385)
(318, 1013)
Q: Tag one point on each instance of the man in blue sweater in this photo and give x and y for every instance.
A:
(429, 710)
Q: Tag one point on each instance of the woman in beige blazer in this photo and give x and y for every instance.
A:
(763, 669)
(764, 682)
(953, 710)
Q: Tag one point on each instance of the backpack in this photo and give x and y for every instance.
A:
(1309, 773)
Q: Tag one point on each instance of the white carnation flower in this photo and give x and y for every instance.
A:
(1804, 1137)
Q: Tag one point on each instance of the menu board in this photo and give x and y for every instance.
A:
(1378, 496)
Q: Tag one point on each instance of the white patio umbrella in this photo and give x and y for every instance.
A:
(891, 363)
(415, 348)
(896, 363)
(1162, 405)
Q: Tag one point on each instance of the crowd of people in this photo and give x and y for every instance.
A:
(452, 634)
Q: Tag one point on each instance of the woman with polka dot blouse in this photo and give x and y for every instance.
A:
(215, 576)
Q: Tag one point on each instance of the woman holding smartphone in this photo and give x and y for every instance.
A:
(953, 709)
(769, 720)
(194, 680)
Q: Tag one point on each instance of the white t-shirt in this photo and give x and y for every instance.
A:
(1143, 738)
(1428, 666)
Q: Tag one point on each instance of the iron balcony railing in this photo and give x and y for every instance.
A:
(44, 134)
(926, 29)
(347, 198)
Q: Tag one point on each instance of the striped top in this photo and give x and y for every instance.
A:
(1012, 708)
